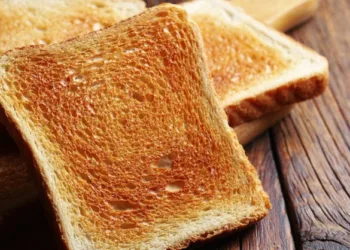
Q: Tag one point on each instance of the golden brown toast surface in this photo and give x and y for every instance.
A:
(32, 22)
(256, 70)
(237, 59)
(128, 136)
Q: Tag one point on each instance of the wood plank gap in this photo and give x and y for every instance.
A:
(289, 207)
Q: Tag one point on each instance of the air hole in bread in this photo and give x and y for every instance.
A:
(43, 108)
(96, 59)
(95, 208)
(122, 205)
(164, 162)
(58, 176)
(166, 30)
(78, 78)
(132, 34)
(125, 110)
(63, 83)
(86, 177)
(162, 92)
(130, 50)
(27, 107)
(21, 67)
(128, 225)
(149, 178)
(71, 71)
(97, 26)
(131, 186)
(82, 211)
(150, 97)
(153, 192)
(91, 109)
(41, 41)
(175, 186)
(162, 14)
(96, 85)
(138, 97)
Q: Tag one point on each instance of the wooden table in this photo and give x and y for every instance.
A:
(304, 161)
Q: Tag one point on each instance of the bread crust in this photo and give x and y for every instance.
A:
(275, 99)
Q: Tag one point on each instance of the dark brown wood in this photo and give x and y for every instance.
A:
(274, 231)
(313, 144)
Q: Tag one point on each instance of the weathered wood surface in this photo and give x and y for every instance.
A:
(313, 144)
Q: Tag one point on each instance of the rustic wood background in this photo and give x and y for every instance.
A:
(304, 161)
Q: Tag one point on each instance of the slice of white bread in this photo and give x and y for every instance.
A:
(32, 22)
(18, 189)
(256, 69)
(128, 138)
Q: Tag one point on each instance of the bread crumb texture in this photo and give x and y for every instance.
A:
(128, 136)
(32, 22)
(237, 59)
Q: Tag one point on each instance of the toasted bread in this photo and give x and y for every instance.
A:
(18, 188)
(283, 16)
(256, 70)
(128, 137)
(32, 22)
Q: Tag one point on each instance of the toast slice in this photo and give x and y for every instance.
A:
(26, 23)
(256, 70)
(18, 188)
(283, 16)
(128, 138)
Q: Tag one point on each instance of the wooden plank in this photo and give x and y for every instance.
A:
(274, 231)
(313, 144)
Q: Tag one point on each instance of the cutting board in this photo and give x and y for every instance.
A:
(280, 14)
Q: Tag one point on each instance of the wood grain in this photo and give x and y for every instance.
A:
(313, 144)
(274, 231)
